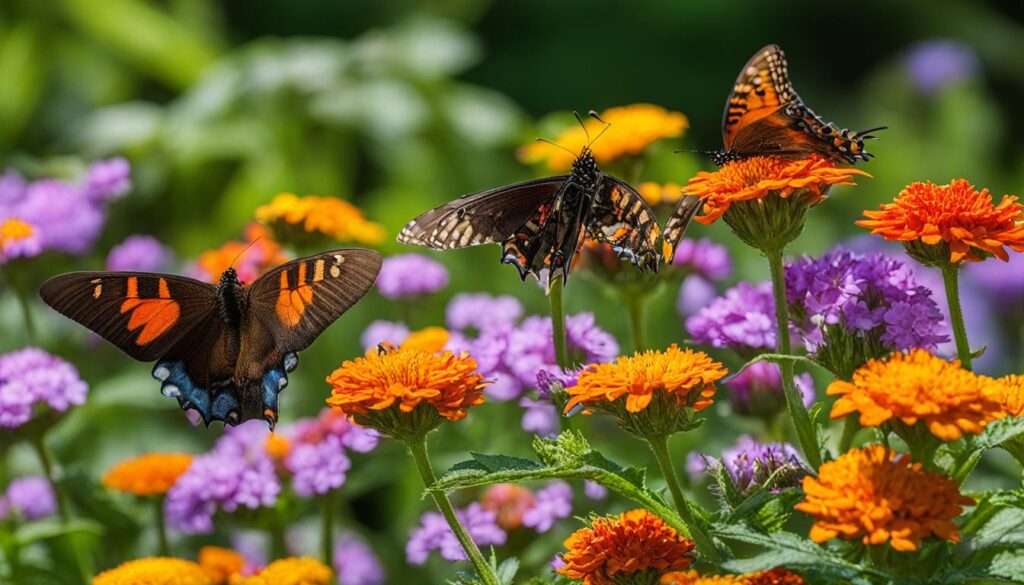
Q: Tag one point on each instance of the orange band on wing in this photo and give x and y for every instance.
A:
(291, 302)
(154, 316)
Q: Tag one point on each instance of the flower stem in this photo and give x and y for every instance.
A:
(23, 302)
(794, 401)
(161, 527)
(46, 460)
(850, 428)
(705, 545)
(278, 546)
(327, 530)
(950, 277)
(558, 323)
(418, 450)
(636, 303)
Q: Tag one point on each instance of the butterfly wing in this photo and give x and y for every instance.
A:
(761, 89)
(621, 218)
(548, 239)
(481, 218)
(686, 209)
(143, 314)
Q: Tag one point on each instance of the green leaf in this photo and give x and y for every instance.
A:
(1009, 564)
(777, 358)
(1000, 431)
(1004, 530)
(507, 570)
(54, 528)
(496, 463)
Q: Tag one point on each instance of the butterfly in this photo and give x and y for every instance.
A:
(541, 224)
(225, 350)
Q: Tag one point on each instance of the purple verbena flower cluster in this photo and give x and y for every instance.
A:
(751, 464)
(406, 276)
(28, 498)
(355, 563)
(433, 534)
(30, 377)
(757, 390)
(139, 253)
(742, 319)
(317, 460)
(551, 503)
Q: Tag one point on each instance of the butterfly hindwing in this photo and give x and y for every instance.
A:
(685, 210)
(621, 218)
(141, 313)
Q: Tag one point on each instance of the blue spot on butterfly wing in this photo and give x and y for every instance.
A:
(176, 383)
(225, 407)
(274, 381)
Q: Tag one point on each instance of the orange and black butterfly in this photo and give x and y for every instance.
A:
(226, 350)
(542, 223)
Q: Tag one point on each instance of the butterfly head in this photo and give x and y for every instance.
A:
(584, 168)
(229, 277)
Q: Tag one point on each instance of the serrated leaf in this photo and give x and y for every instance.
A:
(1009, 564)
(496, 463)
(1000, 431)
(1004, 530)
(507, 570)
(775, 358)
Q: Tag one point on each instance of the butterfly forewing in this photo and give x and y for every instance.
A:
(141, 313)
(761, 88)
(686, 210)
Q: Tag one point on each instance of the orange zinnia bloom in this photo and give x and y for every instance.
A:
(155, 571)
(758, 176)
(429, 339)
(221, 563)
(406, 378)
(917, 386)
(966, 220)
(657, 194)
(291, 571)
(630, 543)
(251, 258)
(632, 129)
(879, 496)
(149, 475)
(688, 376)
(1013, 399)
(777, 576)
(320, 216)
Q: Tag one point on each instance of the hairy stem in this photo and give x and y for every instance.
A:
(558, 323)
(950, 277)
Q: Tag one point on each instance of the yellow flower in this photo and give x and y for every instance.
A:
(149, 475)
(155, 571)
(660, 194)
(688, 376)
(878, 496)
(221, 563)
(1013, 400)
(405, 390)
(917, 386)
(614, 547)
(777, 576)
(632, 129)
(948, 223)
(291, 571)
(429, 339)
(311, 217)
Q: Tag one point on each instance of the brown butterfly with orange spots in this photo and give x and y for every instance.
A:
(226, 350)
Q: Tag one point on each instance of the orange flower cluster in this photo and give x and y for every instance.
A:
(447, 382)
(221, 563)
(630, 543)
(632, 129)
(277, 446)
(428, 339)
(292, 571)
(758, 176)
(1013, 399)
(660, 194)
(968, 221)
(251, 258)
(878, 496)
(510, 501)
(777, 576)
(917, 386)
(155, 571)
(688, 376)
(14, 230)
(149, 475)
(320, 216)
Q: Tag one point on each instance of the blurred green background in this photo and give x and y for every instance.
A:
(399, 106)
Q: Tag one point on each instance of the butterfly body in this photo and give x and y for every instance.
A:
(541, 224)
(224, 351)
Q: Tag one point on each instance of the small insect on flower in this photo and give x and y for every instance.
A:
(878, 496)
(148, 475)
(634, 544)
(541, 224)
(941, 225)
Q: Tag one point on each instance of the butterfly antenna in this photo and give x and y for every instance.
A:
(244, 250)
(583, 125)
(607, 125)
(552, 143)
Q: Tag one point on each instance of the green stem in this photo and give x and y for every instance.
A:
(558, 323)
(794, 401)
(705, 545)
(161, 527)
(23, 302)
(46, 460)
(418, 450)
(327, 531)
(636, 303)
(850, 428)
(950, 277)
(278, 546)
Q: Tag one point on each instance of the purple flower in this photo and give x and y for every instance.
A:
(433, 534)
(482, 312)
(757, 390)
(139, 253)
(108, 179)
(411, 275)
(742, 319)
(694, 294)
(68, 221)
(704, 257)
(933, 65)
(750, 464)
(317, 468)
(1003, 281)
(18, 239)
(355, 563)
(539, 417)
(552, 502)
(530, 347)
(31, 376)
(383, 332)
(237, 473)
(30, 497)
(594, 490)
(12, 188)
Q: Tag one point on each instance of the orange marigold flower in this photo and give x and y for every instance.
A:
(510, 501)
(964, 223)
(406, 379)
(623, 545)
(251, 258)
(632, 129)
(277, 446)
(155, 571)
(149, 475)
(221, 563)
(1013, 399)
(879, 496)
(291, 571)
(314, 217)
(688, 376)
(917, 386)
(777, 576)
(428, 339)
(756, 177)
(660, 194)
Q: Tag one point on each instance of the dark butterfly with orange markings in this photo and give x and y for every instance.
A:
(226, 350)
(542, 223)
